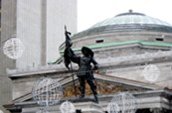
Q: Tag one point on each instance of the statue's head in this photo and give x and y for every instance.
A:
(87, 52)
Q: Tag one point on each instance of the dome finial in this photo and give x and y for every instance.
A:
(130, 11)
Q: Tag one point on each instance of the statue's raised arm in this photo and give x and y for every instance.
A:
(68, 42)
(69, 54)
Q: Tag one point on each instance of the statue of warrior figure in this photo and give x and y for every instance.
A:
(85, 71)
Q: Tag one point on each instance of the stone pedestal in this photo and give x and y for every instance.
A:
(89, 107)
(83, 106)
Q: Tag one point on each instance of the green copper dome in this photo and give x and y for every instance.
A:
(124, 28)
(131, 18)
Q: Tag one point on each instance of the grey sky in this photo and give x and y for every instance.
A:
(93, 11)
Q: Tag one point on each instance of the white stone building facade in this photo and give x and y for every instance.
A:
(39, 24)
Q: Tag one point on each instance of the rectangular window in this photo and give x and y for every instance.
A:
(159, 39)
(99, 41)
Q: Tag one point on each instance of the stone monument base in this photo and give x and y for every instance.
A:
(84, 105)
(88, 107)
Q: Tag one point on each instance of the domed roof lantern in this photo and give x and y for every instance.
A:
(130, 13)
(130, 10)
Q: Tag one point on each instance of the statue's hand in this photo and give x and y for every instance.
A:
(96, 71)
(95, 67)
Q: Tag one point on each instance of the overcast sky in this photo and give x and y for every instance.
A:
(92, 11)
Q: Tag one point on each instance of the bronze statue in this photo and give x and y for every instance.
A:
(85, 71)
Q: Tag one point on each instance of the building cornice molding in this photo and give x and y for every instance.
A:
(163, 56)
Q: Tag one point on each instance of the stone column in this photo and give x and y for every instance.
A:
(43, 32)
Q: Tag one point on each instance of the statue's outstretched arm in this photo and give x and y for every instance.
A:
(70, 55)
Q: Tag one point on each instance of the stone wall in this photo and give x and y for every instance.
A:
(5, 90)
(135, 73)
(8, 29)
(121, 37)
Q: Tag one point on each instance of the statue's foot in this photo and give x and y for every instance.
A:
(96, 99)
(81, 96)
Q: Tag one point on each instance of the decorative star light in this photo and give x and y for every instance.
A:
(13, 48)
(67, 107)
(123, 103)
(47, 92)
(113, 108)
(151, 73)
